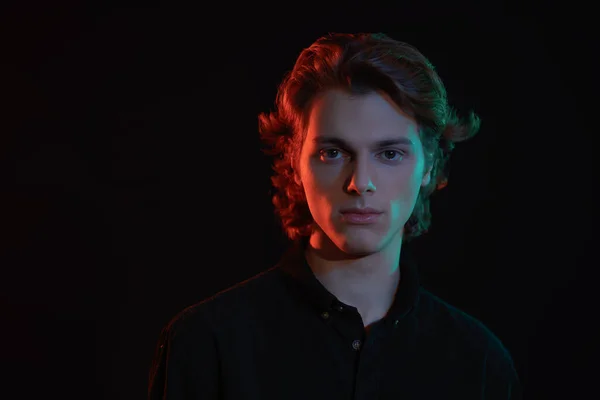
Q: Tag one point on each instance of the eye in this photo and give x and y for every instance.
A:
(330, 154)
(391, 155)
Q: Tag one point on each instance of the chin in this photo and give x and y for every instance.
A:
(359, 244)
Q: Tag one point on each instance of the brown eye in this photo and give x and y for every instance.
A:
(330, 154)
(391, 155)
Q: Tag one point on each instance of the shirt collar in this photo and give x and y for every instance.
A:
(298, 272)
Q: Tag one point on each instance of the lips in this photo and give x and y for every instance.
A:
(360, 216)
(366, 210)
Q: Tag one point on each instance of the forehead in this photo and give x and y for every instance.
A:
(359, 118)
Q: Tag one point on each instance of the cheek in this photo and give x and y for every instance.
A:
(396, 211)
(320, 178)
(406, 192)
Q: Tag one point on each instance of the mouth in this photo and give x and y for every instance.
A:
(360, 216)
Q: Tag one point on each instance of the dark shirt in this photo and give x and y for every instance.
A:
(283, 335)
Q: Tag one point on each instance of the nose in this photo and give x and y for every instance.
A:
(360, 182)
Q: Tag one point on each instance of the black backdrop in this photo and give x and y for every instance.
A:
(133, 184)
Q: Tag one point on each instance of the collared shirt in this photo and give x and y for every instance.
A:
(283, 335)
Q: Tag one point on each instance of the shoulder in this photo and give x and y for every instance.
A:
(191, 340)
(227, 306)
(454, 326)
(464, 347)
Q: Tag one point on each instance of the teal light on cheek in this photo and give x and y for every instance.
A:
(395, 211)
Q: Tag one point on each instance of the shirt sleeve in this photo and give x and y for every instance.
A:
(185, 364)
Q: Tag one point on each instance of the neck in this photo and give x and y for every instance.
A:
(367, 282)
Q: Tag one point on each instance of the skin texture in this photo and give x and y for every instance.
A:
(343, 164)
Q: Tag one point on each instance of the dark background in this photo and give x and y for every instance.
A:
(133, 184)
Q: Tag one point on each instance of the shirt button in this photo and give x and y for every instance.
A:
(356, 345)
(325, 314)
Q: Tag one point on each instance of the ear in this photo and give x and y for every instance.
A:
(296, 171)
(297, 178)
(426, 178)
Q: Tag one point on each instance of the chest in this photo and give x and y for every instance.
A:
(321, 361)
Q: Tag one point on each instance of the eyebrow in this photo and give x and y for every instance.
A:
(379, 144)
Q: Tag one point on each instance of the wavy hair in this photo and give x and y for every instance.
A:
(360, 63)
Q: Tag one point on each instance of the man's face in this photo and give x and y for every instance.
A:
(360, 152)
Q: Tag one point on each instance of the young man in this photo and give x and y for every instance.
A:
(362, 133)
